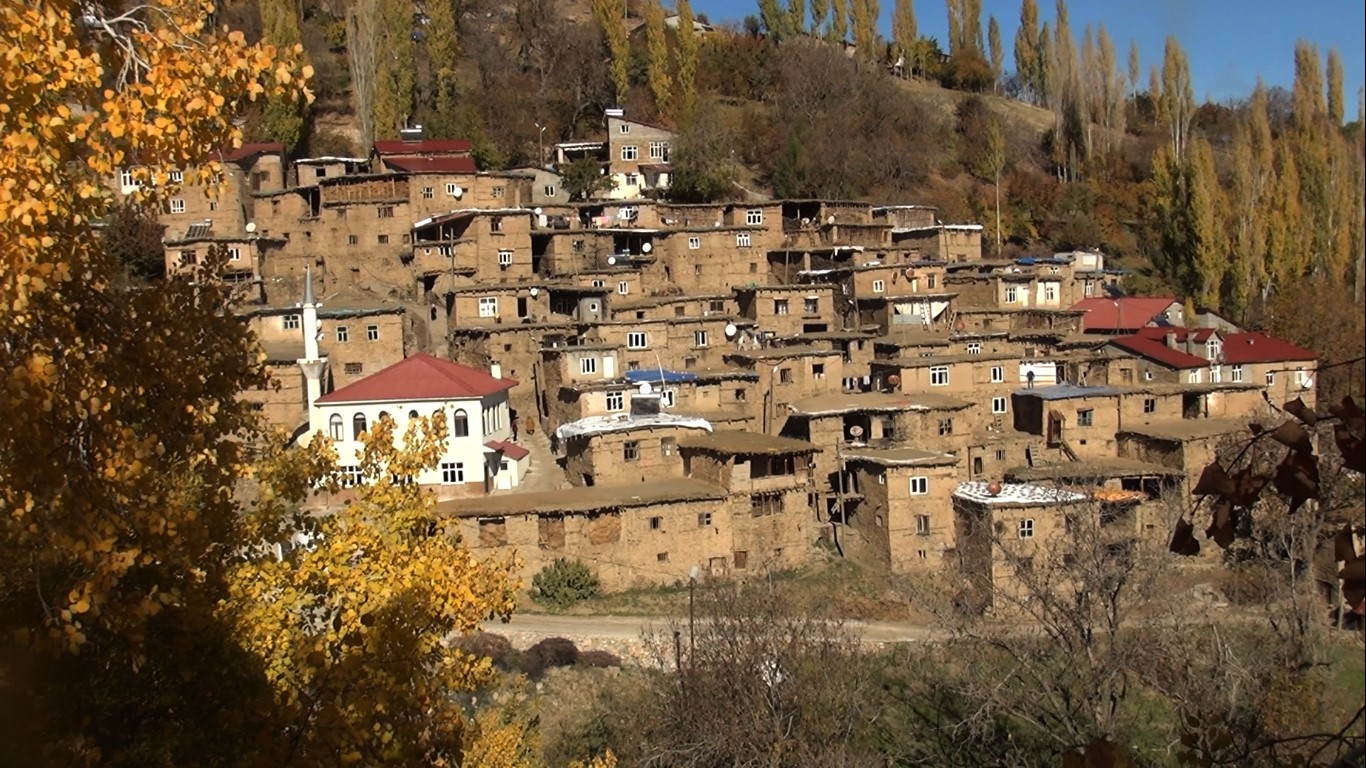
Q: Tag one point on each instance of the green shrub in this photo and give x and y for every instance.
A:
(564, 582)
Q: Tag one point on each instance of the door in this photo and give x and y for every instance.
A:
(609, 366)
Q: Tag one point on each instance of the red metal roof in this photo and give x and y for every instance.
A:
(420, 377)
(1256, 347)
(1127, 314)
(250, 150)
(509, 449)
(1198, 335)
(433, 164)
(424, 147)
(1157, 351)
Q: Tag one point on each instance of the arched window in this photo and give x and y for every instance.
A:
(382, 416)
(412, 415)
(462, 424)
(357, 426)
(335, 427)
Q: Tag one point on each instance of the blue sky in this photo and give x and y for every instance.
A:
(1229, 42)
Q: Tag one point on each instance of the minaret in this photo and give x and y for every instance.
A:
(312, 363)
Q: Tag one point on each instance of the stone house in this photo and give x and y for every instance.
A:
(637, 156)
(1127, 314)
(789, 374)
(1286, 371)
(899, 513)
(625, 447)
(722, 394)
(788, 310)
(399, 155)
(954, 243)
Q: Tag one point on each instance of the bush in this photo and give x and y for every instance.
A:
(564, 582)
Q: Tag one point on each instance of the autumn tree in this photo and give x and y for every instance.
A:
(838, 30)
(704, 170)
(820, 10)
(610, 16)
(776, 20)
(396, 70)
(363, 45)
(1177, 100)
(657, 58)
(685, 53)
(905, 32)
(441, 44)
(995, 46)
(863, 19)
(131, 235)
(285, 120)
(1027, 59)
(1250, 197)
(582, 179)
(1135, 68)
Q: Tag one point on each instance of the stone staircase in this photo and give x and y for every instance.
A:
(545, 473)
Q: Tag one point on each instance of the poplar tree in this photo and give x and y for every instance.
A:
(610, 16)
(1251, 190)
(657, 62)
(396, 73)
(1111, 92)
(285, 119)
(904, 31)
(1043, 71)
(863, 15)
(1027, 48)
(838, 30)
(1314, 150)
(820, 10)
(796, 17)
(1135, 67)
(1178, 95)
(686, 52)
(972, 24)
(442, 50)
(774, 18)
(1207, 215)
(956, 10)
(998, 54)
(1286, 254)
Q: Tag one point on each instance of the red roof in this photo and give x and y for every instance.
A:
(420, 377)
(511, 450)
(1198, 335)
(1256, 347)
(1155, 349)
(1126, 314)
(424, 147)
(251, 150)
(433, 164)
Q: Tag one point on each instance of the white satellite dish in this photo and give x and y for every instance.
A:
(536, 211)
(535, 291)
(458, 191)
(856, 431)
(730, 330)
(251, 226)
(830, 219)
(1307, 384)
(611, 261)
(646, 248)
(645, 388)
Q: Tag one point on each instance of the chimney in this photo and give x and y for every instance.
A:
(496, 370)
(1171, 339)
(411, 134)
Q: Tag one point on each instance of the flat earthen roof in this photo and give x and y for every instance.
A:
(822, 405)
(1181, 430)
(582, 499)
(747, 444)
(895, 457)
(1090, 469)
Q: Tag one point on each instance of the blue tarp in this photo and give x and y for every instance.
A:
(659, 374)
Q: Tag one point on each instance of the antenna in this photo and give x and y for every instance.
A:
(611, 261)
(536, 211)
(646, 248)
(535, 291)
(251, 227)
(730, 330)
(645, 388)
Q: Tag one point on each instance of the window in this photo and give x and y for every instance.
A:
(496, 222)
(428, 193)
(357, 426)
(1050, 292)
(1088, 289)
(234, 253)
(879, 286)
(372, 333)
(291, 322)
(625, 128)
(336, 428)
(922, 525)
(998, 374)
(630, 152)
(177, 205)
(343, 334)
(694, 243)
(742, 240)
(704, 520)
(637, 340)
(974, 347)
(599, 283)
(353, 239)
(1147, 375)
(1025, 528)
(1216, 374)
(453, 189)
(353, 369)
(784, 375)
(126, 179)
(1301, 378)
(461, 424)
(549, 190)
(998, 405)
(1236, 373)
(667, 397)
(488, 306)
(213, 205)
(188, 257)
(818, 370)
(754, 217)
(499, 192)
(623, 288)
(919, 486)
(1270, 378)
(945, 427)
(1012, 294)
(931, 281)
(505, 259)
(939, 376)
(811, 306)
(780, 306)
(739, 395)
(616, 401)
(699, 338)
(382, 239)
(1213, 349)
(1000, 454)
(631, 451)
(761, 504)
(350, 476)
(452, 472)
(1150, 405)
(1086, 417)
(588, 365)
(716, 305)
(1194, 376)
(658, 150)
(632, 180)
(385, 212)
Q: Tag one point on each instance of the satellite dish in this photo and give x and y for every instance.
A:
(893, 380)
(1307, 384)
(856, 431)
(645, 388)
(611, 261)
(730, 330)
(535, 291)
(646, 248)
(458, 191)
(830, 219)
(251, 226)
(536, 211)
